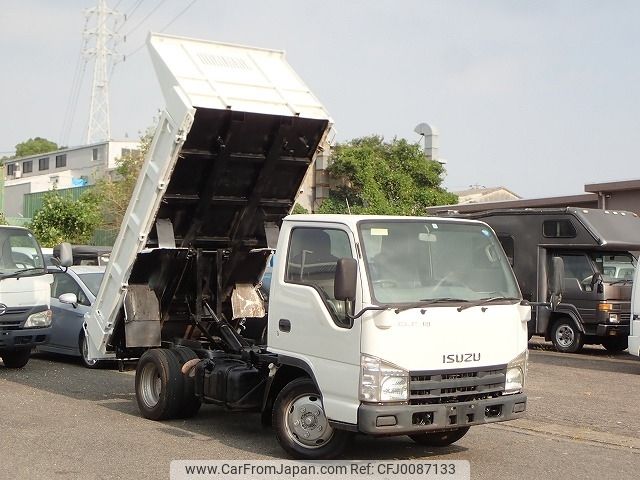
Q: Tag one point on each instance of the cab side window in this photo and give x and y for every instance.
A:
(578, 267)
(312, 258)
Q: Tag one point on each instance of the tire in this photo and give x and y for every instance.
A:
(15, 358)
(190, 404)
(439, 439)
(615, 344)
(159, 384)
(301, 427)
(84, 351)
(566, 337)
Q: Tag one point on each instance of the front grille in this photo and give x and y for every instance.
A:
(13, 318)
(624, 317)
(427, 388)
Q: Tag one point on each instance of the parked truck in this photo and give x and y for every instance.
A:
(634, 329)
(379, 325)
(596, 249)
(25, 316)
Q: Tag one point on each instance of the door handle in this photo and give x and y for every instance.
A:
(284, 325)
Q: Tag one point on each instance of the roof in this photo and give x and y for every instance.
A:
(353, 220)
(612, 186)
(484, 191)
(588, 200)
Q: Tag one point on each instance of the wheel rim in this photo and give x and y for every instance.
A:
(151, 385)
(306, 422)
(565, 336)
(85, 353)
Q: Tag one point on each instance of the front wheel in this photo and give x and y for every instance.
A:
(301, 426)
(615, 344)
(566, 337)
(84, 353)
(439, 439)
(16, 358)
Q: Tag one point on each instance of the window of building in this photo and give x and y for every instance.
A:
(61, 160)
(11, 169)
(95, 155)
(43, 163)
(558, 229)
(27, 167)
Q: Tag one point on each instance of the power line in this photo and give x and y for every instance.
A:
(139, 24)
(171, 22)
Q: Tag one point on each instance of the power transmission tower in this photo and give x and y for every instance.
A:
(103, 52)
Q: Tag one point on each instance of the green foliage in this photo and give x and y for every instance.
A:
(113, 192)
(3, 221)
(62, 219)
(378, 177)
(299, 209)
(34, 146)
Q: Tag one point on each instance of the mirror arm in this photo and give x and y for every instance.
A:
(367, 309)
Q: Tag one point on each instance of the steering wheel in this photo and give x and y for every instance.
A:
(448, 281)
(386, 283)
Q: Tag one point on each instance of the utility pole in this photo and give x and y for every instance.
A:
(103, 53)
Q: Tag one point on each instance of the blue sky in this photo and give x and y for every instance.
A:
(538, 96)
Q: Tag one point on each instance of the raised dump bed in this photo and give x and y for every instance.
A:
(232, 148)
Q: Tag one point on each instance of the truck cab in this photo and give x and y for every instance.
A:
(595, 248)
(25, 316)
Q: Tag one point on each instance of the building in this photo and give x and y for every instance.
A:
(483, 195)
(61, 169)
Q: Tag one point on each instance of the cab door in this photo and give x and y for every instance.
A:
(307, 323)
(67, 320)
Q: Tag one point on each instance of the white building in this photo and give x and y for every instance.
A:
(66, 168)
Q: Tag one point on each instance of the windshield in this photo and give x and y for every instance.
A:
(92, 281)
(19, 251)
(417, 261)
(615, 266)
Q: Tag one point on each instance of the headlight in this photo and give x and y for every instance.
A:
(516, 373)
(613, 318)
(381, 381)
(40, 319)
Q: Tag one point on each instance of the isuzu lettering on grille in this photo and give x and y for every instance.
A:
(461, 357)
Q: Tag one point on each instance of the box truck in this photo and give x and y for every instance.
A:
(379, 325)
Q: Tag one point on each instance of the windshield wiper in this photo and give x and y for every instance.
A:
(425, 302)
(622, 280)
(22, 272)
(484, 301)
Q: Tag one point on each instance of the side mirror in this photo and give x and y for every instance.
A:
(66, 255)
(557, 282)
(596, 278)
(346, 278)
(69, 298)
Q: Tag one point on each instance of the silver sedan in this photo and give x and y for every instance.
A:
(79, 283)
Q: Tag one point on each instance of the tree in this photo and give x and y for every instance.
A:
(62, 219)
(378, 177)
(33, 146)
(113, 192)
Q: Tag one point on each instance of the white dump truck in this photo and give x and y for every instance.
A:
(379, 325)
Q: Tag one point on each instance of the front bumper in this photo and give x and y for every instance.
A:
(24, 338)
(389, 420)
(612, 330)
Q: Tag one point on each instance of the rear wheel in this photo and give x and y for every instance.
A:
(301, 426)
(566, 337)
(190, 404)
(615, 344)
(439, 439)
(15, 358)
(159, 384)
